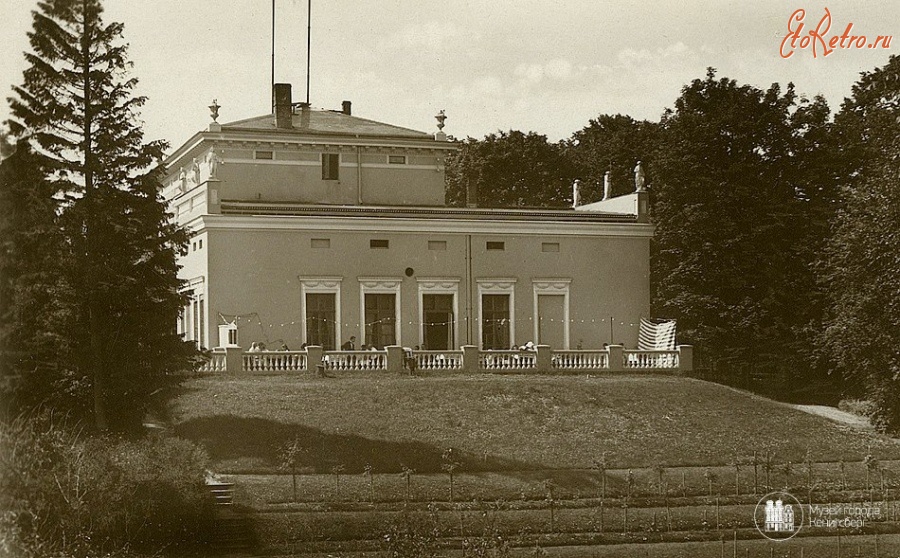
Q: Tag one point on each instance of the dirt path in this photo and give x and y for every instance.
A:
(836, 415)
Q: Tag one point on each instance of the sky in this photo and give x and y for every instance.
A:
(546, 66)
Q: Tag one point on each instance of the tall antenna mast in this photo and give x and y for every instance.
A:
(308, 43)
(273, 57)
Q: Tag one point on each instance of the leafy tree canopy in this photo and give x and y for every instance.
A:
(862, 266)
(725, 206)
(510, 169)
(612, 144)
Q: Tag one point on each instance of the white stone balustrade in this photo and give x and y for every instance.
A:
(275, 361)
(216, 362)
(580, 360)
(438, 360)
(469, 360)
(491, 361)
(650, 360)
(355, 361)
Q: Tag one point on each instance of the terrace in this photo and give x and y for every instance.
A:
(469, 359)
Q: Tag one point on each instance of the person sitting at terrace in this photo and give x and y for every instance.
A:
(349, 345)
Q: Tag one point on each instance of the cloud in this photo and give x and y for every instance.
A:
(557, 69)
(631, 58)
(532, 73)
(487, 85)
(678, 49)
(427, 35)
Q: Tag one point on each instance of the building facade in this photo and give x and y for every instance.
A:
(316, 226)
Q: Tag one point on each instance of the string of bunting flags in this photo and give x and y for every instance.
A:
(255, 320)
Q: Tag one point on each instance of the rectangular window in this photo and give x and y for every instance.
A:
(200, 244)
(268, 155)
(380, 315)
(397, 159)
(320, 320)
(496, 246)
(437, 329)
(495, 325)
(320, 243)
(330, 166)
(550, 247)
(437, 244)
(378, 243)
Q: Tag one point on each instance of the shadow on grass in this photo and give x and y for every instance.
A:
(259, 442)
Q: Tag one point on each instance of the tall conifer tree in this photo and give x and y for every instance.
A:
(34, 311)
(77, 104)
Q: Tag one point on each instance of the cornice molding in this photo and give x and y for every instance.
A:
(419, 225)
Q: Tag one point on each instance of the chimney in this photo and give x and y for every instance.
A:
(345, 107)
(284, 118)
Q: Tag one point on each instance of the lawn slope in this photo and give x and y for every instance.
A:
(501, 423)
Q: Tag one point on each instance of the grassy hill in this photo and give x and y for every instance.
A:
(526, 447)
(501, 423)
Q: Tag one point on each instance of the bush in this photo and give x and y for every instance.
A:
(62, 494)
(412, 535)
(860, 407)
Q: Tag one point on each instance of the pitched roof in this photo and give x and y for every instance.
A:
(328, 122)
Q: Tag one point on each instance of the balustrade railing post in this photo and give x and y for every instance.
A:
(544, 363)
(234, 359)
(394, 358)
(470, 359)
(616, 362)
(685, 358)
(313, 357)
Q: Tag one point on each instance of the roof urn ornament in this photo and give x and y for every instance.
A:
(214, 126)
(214, 110)
(440, 117)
